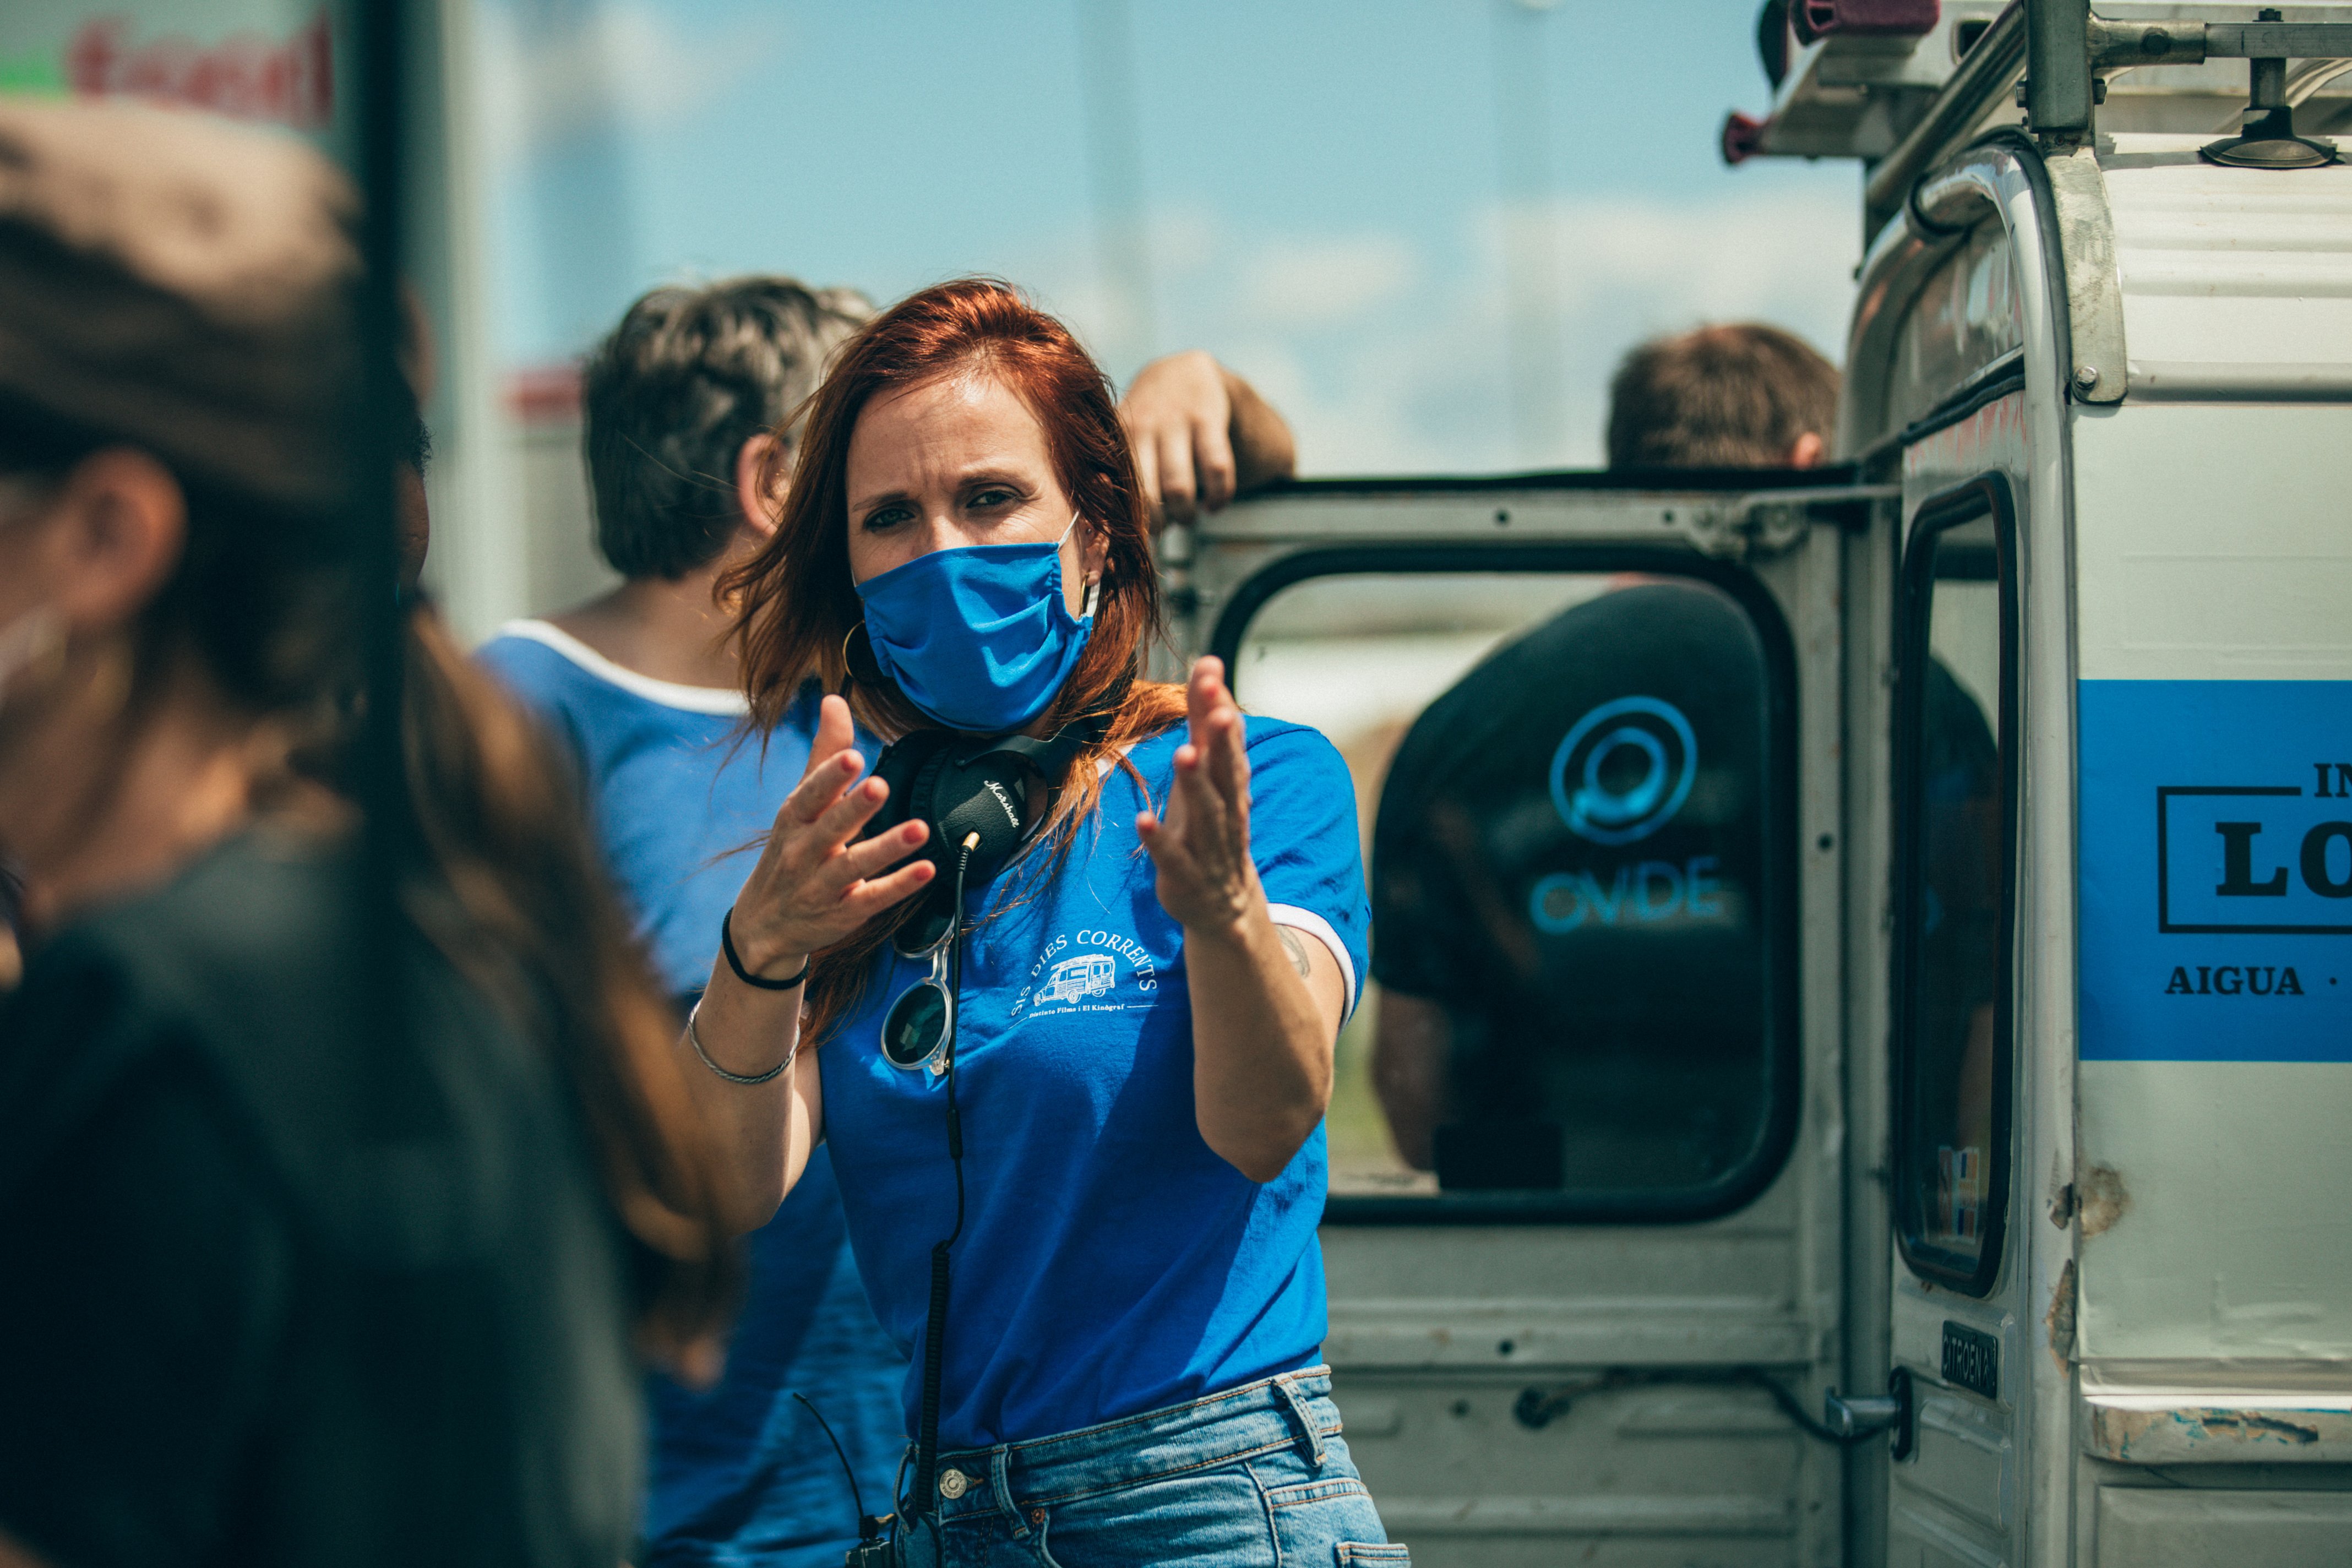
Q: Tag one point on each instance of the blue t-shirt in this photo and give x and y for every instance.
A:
(1110, 1262)
(678, 807)
(740, 1472)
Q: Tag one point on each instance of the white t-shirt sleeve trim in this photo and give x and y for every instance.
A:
(723, 700)
(1318, 928)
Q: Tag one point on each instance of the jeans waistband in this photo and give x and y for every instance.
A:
(1217, 1430)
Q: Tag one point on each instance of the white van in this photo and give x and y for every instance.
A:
(1929, 976)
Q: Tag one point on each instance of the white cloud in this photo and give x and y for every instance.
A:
(1318, 282)
(1390, 355)
(554, 74)
(1742, 255)
(1424, 385)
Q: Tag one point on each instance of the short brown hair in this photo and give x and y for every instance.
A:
(675, 390)
(1734, 396)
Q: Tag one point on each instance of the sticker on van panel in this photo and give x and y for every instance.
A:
(2216, 870)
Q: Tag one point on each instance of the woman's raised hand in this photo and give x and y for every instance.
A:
(1201, 844)
(812, 886)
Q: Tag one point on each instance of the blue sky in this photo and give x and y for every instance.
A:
(1333, 197)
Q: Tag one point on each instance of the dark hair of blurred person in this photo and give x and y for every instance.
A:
(285, 1287)
(412, 520)
(1745, 396)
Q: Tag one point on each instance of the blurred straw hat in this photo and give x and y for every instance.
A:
(184, 284)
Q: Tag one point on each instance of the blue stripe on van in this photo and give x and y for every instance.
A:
(2216, 873)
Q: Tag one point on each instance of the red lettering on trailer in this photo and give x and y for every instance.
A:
(245, 76)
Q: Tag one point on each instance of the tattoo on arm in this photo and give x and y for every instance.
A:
(1294, 945)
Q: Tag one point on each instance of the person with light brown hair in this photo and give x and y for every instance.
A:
(1059, 982)
(339, 1190)
(1738, 395)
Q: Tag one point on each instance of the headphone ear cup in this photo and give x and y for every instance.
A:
(902, 766)
(987, 796)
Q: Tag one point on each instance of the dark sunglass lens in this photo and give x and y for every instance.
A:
(920, 932)
(914, 1025)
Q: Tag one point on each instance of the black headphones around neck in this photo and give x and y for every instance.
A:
(963, 786)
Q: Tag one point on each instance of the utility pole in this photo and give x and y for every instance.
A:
(1115, 170)
(1531, 273)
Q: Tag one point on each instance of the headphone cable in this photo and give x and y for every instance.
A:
(927, 1441)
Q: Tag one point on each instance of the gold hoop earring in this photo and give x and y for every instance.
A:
(872, 672)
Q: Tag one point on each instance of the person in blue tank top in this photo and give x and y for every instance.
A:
(685, 405)
(1075, 1113)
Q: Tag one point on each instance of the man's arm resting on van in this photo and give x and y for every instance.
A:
(1201, 435)
(1411, 1046)
(813, 886)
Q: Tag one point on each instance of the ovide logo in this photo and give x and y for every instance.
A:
(1619, 775)
(1623, 770)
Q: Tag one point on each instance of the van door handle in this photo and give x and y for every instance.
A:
(1852, 1419)
(1860, 1416)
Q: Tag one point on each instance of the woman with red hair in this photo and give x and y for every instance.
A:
(1060, 979)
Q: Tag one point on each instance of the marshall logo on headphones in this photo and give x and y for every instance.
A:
(1011, 813)
(1623, 770)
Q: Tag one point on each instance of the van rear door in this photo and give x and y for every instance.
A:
(1585, 1239)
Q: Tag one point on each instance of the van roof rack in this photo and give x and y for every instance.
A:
(1900, 83)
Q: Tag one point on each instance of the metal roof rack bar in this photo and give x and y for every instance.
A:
(2115, 46)
(1984, 76)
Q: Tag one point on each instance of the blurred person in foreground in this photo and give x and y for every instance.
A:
(286, 1286)
(692, 410)
(1469, 1003)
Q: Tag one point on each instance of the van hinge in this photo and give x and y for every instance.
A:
(1768, 523)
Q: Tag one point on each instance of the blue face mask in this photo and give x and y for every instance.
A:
(978, 638)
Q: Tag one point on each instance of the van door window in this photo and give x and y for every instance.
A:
(1575, 792)
(1966, 317)
(1955, 737)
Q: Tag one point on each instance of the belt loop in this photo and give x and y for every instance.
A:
(1308, 1430)
(1000, 1478)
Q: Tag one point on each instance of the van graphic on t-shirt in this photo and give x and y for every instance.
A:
(1089, 978)
(1075, 979)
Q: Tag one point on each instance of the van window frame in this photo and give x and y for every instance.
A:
(1987, 496)
(1748, 1181)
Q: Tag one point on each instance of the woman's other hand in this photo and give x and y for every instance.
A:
(813, 886)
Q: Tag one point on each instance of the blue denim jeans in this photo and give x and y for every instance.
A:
(1252, 1478)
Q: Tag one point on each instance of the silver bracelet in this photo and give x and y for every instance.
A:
(694, 1039)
